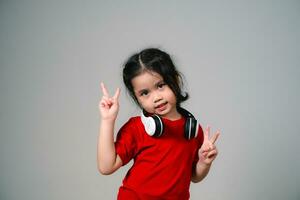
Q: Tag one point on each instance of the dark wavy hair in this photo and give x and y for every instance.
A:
(155, 60)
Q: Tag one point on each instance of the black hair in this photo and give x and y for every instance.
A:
(156, 60)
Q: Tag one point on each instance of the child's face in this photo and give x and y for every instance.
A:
(154, 95)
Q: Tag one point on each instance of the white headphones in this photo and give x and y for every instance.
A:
(154, 126)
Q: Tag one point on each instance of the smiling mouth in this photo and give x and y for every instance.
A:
(161, 105)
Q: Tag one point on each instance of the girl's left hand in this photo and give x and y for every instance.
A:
(208, 151)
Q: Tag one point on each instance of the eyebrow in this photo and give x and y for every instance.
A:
(159, 82)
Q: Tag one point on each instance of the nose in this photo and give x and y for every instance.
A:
(157, 97)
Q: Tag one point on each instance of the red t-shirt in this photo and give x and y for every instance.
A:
(162, 166)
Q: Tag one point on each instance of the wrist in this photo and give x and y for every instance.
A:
(204, 164)
(107, 120)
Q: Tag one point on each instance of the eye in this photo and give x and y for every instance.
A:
(161, 85)
(144, 93)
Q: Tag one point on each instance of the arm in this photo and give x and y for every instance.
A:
(107, 159)
(207, 153)
(200, 171)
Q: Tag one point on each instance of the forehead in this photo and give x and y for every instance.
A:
(146, 80)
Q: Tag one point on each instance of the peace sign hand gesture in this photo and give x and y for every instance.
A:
(208, 151)
(109, 106)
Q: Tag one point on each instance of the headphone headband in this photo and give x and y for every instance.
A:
(185, 113)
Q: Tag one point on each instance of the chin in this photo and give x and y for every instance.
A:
(164, 112)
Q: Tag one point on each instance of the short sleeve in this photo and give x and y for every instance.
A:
(126, 142)
(199, 139)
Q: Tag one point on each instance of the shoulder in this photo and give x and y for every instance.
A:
(132, 126)
(133, 122)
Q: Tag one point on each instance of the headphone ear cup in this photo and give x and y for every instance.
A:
(153, 125)
(159, 127)
(149, 125)
(190, 128)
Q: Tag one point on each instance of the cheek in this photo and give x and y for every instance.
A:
(140, 102)
(171, 96)
(143, 103)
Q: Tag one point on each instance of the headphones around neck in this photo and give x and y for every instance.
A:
(154, 126)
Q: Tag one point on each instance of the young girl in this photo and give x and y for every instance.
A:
(168, 146)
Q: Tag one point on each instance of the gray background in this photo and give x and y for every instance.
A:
(241, 65)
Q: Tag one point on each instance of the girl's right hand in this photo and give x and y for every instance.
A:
(109, 106)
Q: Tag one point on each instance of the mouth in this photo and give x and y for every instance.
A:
(161, 105)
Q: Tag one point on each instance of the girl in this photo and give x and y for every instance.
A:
(168, 146)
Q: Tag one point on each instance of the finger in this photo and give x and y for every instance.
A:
(204, 154)
(205, 149)
(106, 102)
(103, 104)
(206, 134)
(214, 138)
(104, 90)
(106, 99)
(117, 94)
(212, 154)
(110, 101)
(211, 146)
